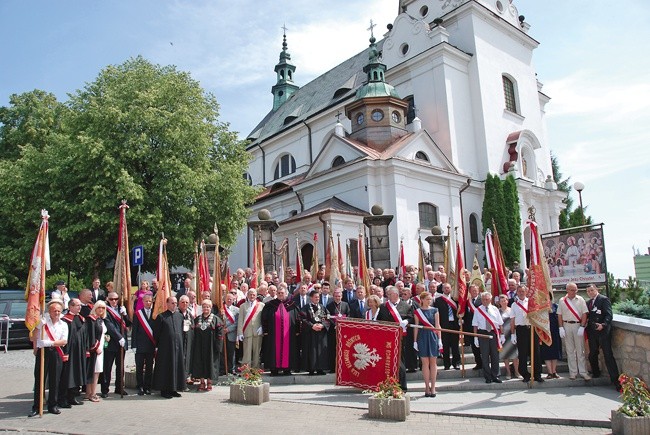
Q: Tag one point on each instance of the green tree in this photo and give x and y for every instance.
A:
(568, 218)
(493, 205)
(511, 241)
(139, 131)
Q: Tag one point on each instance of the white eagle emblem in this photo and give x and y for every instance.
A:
(364, 356)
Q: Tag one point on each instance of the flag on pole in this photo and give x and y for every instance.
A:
(539, 287)
(260, 260)
(348, 260)
(401, 267)
(476, 277)
(283, 259)
(256, 272)
(122, 268)
(450, 263)
(334, 275)
(196, 271)
(363, 278)
(299, 269)
(164, 280)
(340, 253)
(216, 294)
(496, 263)
(228, 279)
(461, 286)
(204, 271)
(420, 260)
(39, 263)
(314, 259)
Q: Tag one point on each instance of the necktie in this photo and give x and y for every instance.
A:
(302, 302)
(361, 305)
(451, 313)
(325, 300)
(148, 313)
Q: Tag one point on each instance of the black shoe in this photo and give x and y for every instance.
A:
(286, 372)
(456, 367)
(140, 392)
(54, 410)
(75, 402)
(147, 392)
(432, 395)
(166, 394)
(488, 381)
(539, 379)
(446, 368)
(274, 373)
(410, 371)
(104, 395)
(175, 394)
(311, 373)
(525, 380)
(320, 373)
(65, 405)
(32, 413)
(477, 367)
(123, 393)
(497, 381)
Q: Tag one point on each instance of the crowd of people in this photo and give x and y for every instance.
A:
(288, 326)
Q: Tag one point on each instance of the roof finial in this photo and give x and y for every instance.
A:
(372, 34)
(284, 36)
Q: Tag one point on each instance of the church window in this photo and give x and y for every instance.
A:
(282, 74)
(509, 92)
(424, 10)
(289, 75)
(285, 166)
(248, 178)
(338, 161)
(377, 115)
(473, 228)
(428, 215)
(404, 48)
(410, 112)
(421, 155)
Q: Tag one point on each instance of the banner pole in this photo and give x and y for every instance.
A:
(532, 357)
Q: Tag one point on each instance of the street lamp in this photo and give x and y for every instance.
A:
(579, 187)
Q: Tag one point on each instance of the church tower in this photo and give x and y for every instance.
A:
(284, 69)
(377, 113)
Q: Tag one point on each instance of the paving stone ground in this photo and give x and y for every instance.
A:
(324, 408)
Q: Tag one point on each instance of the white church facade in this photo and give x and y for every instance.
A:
(414, 123)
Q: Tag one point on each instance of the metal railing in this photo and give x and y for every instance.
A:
(5, 324)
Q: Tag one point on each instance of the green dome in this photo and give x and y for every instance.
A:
(376, 89)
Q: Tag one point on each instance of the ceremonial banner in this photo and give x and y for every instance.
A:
(420, 260)
(334, 274)
(204, 271)
(39, 263)
(340, 254)
(367, 353)
(299, 269)
(122, 268)
(496, 263)
(450, 263)
(476, 278)
(364, 279)
(461, 286)
(401, 266)
(216, 294)
(314, 259)
(576, 256)
(539, 287)
(164, 280)
(260, 260)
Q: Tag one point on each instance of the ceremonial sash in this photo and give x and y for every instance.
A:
(229, 315)
(420, 315)
(471, 306)
(63, 356)
(494, 328)
(522, 307)
(249, 315)
(395, 314)
(450, 302)
(369, 315)
(417, 300)
(145, 325)
(117, 317)
(569, 305)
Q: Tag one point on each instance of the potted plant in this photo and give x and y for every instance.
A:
(247, 387)
(389, 401)
(633, 416)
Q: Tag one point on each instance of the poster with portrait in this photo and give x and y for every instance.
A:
(576, 257)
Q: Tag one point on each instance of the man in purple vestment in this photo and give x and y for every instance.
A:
(280, 326)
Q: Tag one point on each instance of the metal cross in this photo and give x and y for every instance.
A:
(284, 27)
(372, 26)
(338, 116)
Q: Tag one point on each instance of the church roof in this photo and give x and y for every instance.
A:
(332, 205)
(337, 84)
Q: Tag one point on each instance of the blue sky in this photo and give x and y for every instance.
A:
(593, 61)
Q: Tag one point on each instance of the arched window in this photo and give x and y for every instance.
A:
(421, 155)
(428, 215)
(510, 94)
(338, 161)
(410, 113)
(248, 178)
(473, 228)
(285, 166)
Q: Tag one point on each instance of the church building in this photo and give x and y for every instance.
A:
(414, 123)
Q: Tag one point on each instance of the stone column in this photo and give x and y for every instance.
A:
(436, 246)
(265, 227)
(378, 237)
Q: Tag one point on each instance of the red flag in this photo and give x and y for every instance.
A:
(164, 281)
(122, 268)
(401, 267)
(314, 259)
(420, 260)
(460, 281)
(496, 263)
(216, 294)
(367, 353)
(340, 253)
(38, 264)
(539, 287)
(298, 262)
(255, 277)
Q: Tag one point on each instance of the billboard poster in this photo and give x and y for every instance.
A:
(576, 257)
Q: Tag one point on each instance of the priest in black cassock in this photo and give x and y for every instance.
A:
(315, 325)
(337, 309)
(280, 323)
(397, 311)
(74, 370)
(169, 370)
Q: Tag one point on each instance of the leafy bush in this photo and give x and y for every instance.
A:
(633, 309)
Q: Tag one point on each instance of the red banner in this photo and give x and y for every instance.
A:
(367, 353)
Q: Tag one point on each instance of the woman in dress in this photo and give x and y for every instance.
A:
(427, 342)
(97, 338)
(509, 352)
(206, 349)
(373, 307)
(137, 297)
(550, 354)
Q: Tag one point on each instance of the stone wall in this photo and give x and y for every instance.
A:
(631, 346)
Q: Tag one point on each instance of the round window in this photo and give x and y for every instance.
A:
(377, 115)
(404, 48)
(396, 117)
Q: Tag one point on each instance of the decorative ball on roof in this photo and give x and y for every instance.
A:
(264, 215)
(436, 231)
(377, 210)
(212, 239)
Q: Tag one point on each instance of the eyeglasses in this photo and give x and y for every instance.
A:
(113, 299)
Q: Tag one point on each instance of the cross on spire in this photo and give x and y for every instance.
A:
(338, 116)
(284, 28)
(371, 28)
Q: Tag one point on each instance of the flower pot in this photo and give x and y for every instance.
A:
(624, 424)
(249, 394)
(389, 409)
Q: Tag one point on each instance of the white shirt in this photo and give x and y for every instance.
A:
(493, 313)
(59, 330)
(65, 298)
(521, 319)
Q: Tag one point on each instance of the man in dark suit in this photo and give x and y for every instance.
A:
(97, 293)
(348, 290)
(325, 296)
(143, 341)
(300, 298)
(337, 309)
(474, 300)
(187, 287)
(599, 333)
(359, 306)
(448, 314)
(116, 324)
(397, 311)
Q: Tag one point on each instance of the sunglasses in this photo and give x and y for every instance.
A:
(113, 299)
